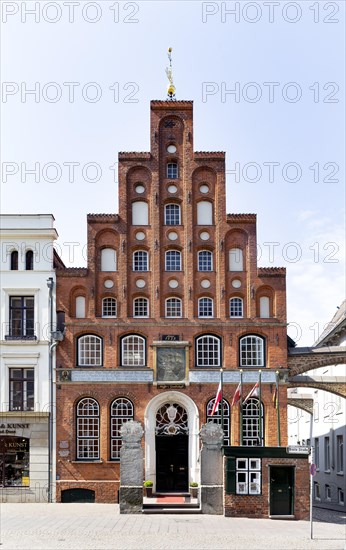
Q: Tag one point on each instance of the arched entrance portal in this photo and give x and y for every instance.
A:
(172, 448)
(171, 442)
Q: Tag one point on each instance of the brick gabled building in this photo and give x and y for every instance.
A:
(171, 293)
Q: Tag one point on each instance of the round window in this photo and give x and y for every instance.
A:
(236, 283)
(172, 189)
(173, 283)
(172, 236)
(204, 235)
(205, 283)
(140, 236)
(140, 283)
(140, 188)
(171, 149)
(204, 188)
(108, 283)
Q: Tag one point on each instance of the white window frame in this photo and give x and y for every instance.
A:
(202, 307)
(172, 216)
(172, 172)
(254, 351)
(136, 345)
(208, 346)
(104, 305)
(139, 258)
(143, 300)
(238, 301)
(97, 355)
(168, 262)
(85, 422)
(205, 260)
(168, 307)
(122, 410)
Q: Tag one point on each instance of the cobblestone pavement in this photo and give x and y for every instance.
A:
(101, 527)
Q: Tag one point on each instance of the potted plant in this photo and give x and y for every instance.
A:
(194, 489)
(148, 486)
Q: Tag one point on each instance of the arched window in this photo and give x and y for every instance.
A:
(140, 213)
(29, 260)
(251, 423)
(236, 262)
(108, 259)
(121, 411)
(172, 214)
(173, 260)
(208, 351)
(109, 307)
(89, 351)
(80, 307)
(88, 429)
(264, 307)
(172, 170)
(216, 418)
(14, 260)
(140, 260)
(204, 213)
(251, 351)
(205, 307)
(205, 260)
(133, 351)
(141, 307)
(173, 307)
(236, 307)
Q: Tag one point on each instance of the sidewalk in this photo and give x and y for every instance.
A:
(101, 527)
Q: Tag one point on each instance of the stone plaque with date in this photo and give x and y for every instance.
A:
(170, 366)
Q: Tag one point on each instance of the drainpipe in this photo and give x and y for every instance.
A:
(52, 345)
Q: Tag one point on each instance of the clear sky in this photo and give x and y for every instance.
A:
(95, 66)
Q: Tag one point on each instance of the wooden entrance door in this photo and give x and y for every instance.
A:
(281, 490)
(172, 463)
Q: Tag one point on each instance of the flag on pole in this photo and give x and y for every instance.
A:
(253, 393)
(236, 396)
(217, 399)
(275, 397)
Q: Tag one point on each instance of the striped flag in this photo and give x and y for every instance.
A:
(275, 397)
(236, 396)
(253, 393)
(217, 399)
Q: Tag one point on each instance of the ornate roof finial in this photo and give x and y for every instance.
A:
(169, 73)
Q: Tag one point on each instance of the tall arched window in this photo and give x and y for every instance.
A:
(173, 307)
(172, 214)
(204, 213)
(140, 213)
(108, 259)
(80, 307)
(121, 411)
(252, 416)
(173, 260)
(141, 307)
(236, 307)
(251, 351)
(205, 260)
(29, 260)
(216, 418)
(205, 307)
(140, 260)
(236, 262)
(89, 351)
(172, 170)
(14, 260)
(133, 351)
(264, 307)
(208, 351)
(88, 429)
(109, 307)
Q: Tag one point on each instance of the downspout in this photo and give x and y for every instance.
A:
(52, 345)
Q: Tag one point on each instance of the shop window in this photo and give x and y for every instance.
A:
(236, 262)
(252, 417)
(208, 351)
(29, 260)
(88, 429)
(21, 317)
(133, 351)
(216, 418)
(236, 307)
(80, 307)
(89, 351)
(248, 476)
(22, 385)
(14, 461)
(251, 351)
(14, 260)
(108, 259)
(204, 213)
(140, 213)
(121, 411)
(109, 307)
(172, 214)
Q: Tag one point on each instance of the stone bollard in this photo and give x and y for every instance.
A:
(211, 469)
(131, 468)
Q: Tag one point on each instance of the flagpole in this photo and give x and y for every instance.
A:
(260, 405)
(241, 406)
(278, 406)
(221, 402)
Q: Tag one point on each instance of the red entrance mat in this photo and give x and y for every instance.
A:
(169, 499)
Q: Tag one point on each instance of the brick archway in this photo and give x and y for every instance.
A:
(301, 360)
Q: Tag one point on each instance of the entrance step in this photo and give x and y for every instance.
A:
(171, 504)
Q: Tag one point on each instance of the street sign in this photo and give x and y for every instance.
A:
(298, 449)
(313, 469)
